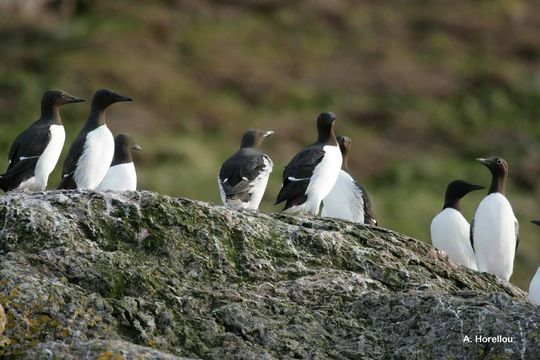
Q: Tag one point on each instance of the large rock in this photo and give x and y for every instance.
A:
(143, 275)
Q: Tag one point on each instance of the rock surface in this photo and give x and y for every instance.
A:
(141, 275)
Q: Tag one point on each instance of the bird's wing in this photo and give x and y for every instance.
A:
(516, 227)
(29, 145)
(22, 171)
(471, 229)
(297, 174)
(237, 174)
(24, 155)
(70, 164)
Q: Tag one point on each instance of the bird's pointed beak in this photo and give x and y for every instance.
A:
(121, 98)
(137, 147)
(73, 99)
(536, 222)
(268, 133)
(482, 160)
(477, 187)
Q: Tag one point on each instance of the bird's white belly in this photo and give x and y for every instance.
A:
(95, 159)
(323, 179)
(345, 200)
(450, 233)
(534, 289)
(121, 177)
(258, 186)
(494, 235)
(47, 161)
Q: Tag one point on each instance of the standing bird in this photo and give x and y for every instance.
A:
(348, 200)
(312, 173)
(243, 177)
(494, 230)
(121, 176)
(35, 152)
(534, 288)
(450, 232)
(91, 153)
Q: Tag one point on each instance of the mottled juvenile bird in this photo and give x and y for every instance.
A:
(348, 200)
(495, 229)
(121, 176)
(450, 232)
(35, 152)
(311, 174)
(534, 287)
(91, 153)
(243, 177)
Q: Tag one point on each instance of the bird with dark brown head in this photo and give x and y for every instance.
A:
(348, 199)
(499, 171)
(243, 177)
(35, 152)
(495, 229)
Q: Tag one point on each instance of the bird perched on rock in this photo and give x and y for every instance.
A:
(348, 200)
(534, 287)
(35, 152)
(121, 176)
(243, 177)
(311, 174)
(450, 232)
(495, 229)
(91, 153)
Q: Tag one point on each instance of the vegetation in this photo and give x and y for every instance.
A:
(422, 88)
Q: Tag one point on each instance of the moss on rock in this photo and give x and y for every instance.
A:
(160, 277)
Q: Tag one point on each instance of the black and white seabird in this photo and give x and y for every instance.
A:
(91, 153)
(121, 176)
(534, 287)
(35, 152)
(494, 230)
(348, 200)
(312, 173)
(450, 232)
(243, 177)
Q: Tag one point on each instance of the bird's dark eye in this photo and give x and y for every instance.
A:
(499, 162)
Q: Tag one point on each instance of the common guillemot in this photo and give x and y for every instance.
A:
(495, 229)
(243, 177)
(348, 200)
(450, 232)
(91, 153)
(534, 287)
(35, 152)
(311, 174)
(121, 176)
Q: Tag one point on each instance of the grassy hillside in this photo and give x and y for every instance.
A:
(422, 88)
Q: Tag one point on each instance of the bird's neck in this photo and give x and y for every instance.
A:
(121, 156)
(51, 114)
(97, 117)
(249, 145)
(345, 162)
(452, 204)
(327, 138)
(498, 182)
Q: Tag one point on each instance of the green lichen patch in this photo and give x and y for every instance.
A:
(86, 272)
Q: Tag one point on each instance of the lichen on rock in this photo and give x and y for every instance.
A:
(142, 274)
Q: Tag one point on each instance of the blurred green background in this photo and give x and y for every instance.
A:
(422, 88)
